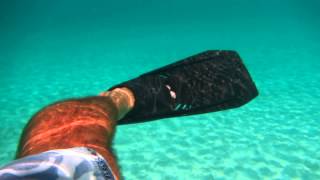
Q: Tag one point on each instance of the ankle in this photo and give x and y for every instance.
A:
(123, 98)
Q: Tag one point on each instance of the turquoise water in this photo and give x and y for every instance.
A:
(51, 51)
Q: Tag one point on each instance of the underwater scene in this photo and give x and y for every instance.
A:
(53, 50)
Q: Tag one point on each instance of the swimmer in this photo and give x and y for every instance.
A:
(72, 139)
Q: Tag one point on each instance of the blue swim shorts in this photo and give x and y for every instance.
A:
(74, 163)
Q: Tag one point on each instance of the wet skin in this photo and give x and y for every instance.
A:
(89, 122)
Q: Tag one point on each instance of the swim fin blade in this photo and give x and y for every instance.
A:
(210, 81)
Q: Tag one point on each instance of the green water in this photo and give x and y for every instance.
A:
(51, 50)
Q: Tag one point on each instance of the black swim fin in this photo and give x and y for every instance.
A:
(207, 82)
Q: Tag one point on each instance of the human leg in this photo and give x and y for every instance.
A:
(87, 122)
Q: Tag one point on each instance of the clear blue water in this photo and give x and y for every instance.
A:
(60, 49)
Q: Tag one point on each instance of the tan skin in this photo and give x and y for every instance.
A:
(87, 122)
